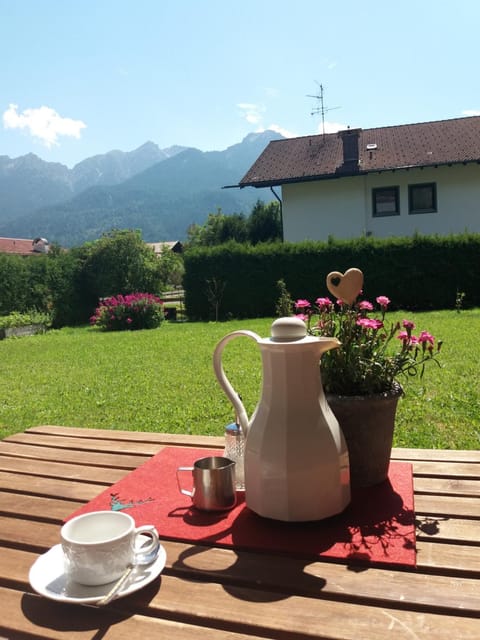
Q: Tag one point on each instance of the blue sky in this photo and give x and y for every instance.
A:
(83, 77)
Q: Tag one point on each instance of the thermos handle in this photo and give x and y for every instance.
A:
(224, 382)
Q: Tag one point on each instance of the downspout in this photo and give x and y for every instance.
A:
(281, 211)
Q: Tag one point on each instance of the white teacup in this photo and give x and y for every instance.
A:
(99, 546)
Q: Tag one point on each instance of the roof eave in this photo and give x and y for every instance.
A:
(344, 174)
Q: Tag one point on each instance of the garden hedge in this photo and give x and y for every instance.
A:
(419, 273)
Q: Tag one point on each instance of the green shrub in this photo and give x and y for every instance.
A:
(16, 319)
(134, 311)
(421, 273)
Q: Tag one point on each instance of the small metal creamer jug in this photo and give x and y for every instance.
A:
(213, 480)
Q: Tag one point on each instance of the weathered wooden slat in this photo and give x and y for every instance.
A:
(32, 535)
(49, 487)
(59, 443)
(447, 505)
(60, 470)
(160, 438)
(449, 559)
(447, 469)
(448, 455)
(446, 486)
(73, 456)
(35, 617)
(16, 505)
(448, 529)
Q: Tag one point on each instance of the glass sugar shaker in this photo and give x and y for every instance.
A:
(235, 450)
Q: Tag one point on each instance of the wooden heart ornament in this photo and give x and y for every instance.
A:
(345, 286)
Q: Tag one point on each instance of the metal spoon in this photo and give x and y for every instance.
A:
(140, 560)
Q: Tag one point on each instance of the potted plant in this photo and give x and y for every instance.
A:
(362, 376)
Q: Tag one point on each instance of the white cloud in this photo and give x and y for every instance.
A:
(331, 127)
(275, 127)
(251, 112)
(43, 123)
(471, 112)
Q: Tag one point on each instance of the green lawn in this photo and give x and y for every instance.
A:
(163, 380)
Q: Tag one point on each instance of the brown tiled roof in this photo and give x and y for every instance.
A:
(380, 149)
(18, 246)
(175, 246)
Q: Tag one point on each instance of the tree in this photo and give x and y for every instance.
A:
(13, 284)
(119, 262)
(218, 229)
(264, 223)
(171, 268)
(68, 304)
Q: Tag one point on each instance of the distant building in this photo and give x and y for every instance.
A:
(22, 247)
(158, 247)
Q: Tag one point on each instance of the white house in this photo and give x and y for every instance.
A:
(388, 181)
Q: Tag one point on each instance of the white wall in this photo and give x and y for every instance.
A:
(343, 207)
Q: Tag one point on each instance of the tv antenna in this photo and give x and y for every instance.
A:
(321, 107)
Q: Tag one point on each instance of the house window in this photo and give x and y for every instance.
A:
(422, 198)
(386, 202)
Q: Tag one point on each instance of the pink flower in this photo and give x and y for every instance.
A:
(302, 304)
(302, 316)
(408, 324)
(370, 323)
(407, 338)
(323, 303)
(129, 321)
(383, 301)
(365, 305)
(426, 337)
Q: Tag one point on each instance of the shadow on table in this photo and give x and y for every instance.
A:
(367, 534)
(70, 618)
(253, 577)
(428, 525)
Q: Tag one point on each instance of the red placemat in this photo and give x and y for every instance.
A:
(376, 528)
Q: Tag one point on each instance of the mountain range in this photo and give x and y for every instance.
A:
(159, 191)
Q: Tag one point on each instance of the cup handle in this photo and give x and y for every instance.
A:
(180, 488)
(150, 530)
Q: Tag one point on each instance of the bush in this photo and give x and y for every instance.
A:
(422, 273)
(134, 311)
(16, 319)
(120, 262)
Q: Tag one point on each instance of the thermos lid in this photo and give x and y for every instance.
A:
(288, 329)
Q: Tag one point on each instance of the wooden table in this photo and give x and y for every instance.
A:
(215, 593)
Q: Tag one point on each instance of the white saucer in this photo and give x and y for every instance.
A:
(48, 579)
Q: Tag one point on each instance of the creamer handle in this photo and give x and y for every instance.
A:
(225, 382)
